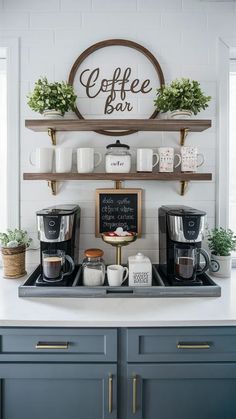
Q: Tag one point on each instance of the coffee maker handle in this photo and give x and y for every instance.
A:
(72, 265)
(207, 262)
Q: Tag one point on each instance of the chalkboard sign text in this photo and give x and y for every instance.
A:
(118, 208)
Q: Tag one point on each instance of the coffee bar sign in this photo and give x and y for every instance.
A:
(116, 79)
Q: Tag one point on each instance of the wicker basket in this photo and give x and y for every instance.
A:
(13, 261)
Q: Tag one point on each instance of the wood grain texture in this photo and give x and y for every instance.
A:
(194, 125)
(118, 176)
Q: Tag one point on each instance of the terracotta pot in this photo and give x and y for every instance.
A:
(13, 261)
(220, 266)
(181, 114)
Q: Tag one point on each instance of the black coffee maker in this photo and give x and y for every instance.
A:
(58, 229)
(181, 231)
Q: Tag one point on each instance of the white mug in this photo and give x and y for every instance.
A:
(115, 275)
(145, 159)
(63, 160)
(86, 160)
(42, 159)
(189, 159)
(166, 159)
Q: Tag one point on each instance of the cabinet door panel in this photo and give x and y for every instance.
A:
(182, 391)
(58, 391)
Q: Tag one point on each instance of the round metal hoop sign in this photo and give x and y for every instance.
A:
(108, 85)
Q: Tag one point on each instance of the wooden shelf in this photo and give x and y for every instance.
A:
(60, 177)
(183, 126)
(54, 178)
(194, 125)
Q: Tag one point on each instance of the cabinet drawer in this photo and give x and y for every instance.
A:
(75, 344)
(183, 344)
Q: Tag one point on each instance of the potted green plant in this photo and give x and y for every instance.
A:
(221, 243)
(52, 99)
(182, 98)
(13, 245)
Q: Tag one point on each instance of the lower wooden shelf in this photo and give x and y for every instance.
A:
(53, 178)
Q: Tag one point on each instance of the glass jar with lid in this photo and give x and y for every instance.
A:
(93, 268)
(118, 158)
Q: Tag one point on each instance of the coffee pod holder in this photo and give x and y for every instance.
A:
(119, 242)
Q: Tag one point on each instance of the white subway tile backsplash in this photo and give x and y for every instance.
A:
(114, 5)
(76, 5)
(185, 21)
(34, 5)
(222, 24)
(14, 20)
(182, 36)
(54, 20)
(149, 5)
(121, 21)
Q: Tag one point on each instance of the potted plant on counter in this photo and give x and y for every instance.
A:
(182, 98)
(52, 99)
(221, 243)
(13, 245)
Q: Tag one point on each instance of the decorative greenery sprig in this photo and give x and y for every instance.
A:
(221, 241)
(45, 96)
(183, 94)
(15, 238)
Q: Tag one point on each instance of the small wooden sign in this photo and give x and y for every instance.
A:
(118, 208)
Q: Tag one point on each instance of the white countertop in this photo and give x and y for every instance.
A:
(117, 312)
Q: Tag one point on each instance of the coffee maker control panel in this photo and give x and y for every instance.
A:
(191, 227)
(52, 226)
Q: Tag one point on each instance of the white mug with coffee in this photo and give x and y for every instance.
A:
(42, 159)
(145, 159)
(63, 160)
(166, 159)
(86, 160)
(190, 159)
(116, 275)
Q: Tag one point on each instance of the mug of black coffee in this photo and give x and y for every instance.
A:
(187, 265)
(56, 265)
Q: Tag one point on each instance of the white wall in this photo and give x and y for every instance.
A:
(183, 35)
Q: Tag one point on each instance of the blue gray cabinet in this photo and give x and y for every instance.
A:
(58, 373)
(181, 391)
(181, 373)
(138, 373)
(60, 391)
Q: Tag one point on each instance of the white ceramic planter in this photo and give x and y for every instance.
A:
(220, 266)
(181, 114)
(52, 114)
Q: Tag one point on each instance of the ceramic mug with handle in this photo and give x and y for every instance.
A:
(191, 159)
(166, 159)
(42, 159)
(86, 160)
(116, 275)
(145, 157)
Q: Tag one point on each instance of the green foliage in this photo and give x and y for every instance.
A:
(46, 96)
(221, 241)
(15, 238)
(183, 94)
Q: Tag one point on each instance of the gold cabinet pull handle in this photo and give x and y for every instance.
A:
(52, 345)
(192, 345)
(110, 396)
(134, 408)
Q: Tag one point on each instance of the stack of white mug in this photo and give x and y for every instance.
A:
(189, 159)
(43, 159)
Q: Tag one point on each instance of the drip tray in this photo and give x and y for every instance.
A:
(73, 288)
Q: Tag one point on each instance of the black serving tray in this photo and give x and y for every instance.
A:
(74, 288)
